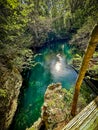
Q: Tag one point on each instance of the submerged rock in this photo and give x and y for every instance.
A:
(10, 83)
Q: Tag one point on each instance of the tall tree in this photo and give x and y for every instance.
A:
(89, 52)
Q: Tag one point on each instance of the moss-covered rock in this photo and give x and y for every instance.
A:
(10, 83)
(54, 107)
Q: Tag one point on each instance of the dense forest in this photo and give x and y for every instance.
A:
(28, 24)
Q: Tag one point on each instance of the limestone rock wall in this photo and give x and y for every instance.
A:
(10, 84)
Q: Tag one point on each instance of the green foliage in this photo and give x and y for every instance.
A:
(14, 40)
(31, 23)
(12, 3)
(86, 93)
(94, 68)
(3, 93)
(80, 11)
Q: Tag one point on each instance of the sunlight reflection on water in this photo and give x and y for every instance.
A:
(58, 66)
(62, 72)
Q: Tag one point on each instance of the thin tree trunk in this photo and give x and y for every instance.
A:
(89, 53)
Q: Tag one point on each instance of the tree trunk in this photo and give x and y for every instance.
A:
(88, 54)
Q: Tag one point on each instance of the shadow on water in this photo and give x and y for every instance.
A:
(52, 66)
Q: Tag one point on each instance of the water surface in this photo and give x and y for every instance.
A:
(50, 65)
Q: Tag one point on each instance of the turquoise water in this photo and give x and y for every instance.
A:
(50, 65)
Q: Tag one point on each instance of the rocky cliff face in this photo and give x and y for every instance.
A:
(54, 109)
(10, 83)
